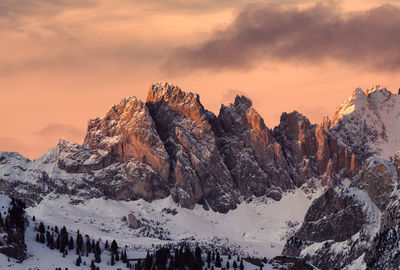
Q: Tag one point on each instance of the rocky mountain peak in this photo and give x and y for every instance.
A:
(367, 122)
(185, 103)
(376, 87)
(242, 101)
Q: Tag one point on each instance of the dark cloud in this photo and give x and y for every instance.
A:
(262, 33)
(56, 131)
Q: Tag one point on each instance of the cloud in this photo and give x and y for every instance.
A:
(265, 33)
(229, 95)
(56, 131)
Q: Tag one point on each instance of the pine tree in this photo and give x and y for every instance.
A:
(114, 247)
(71, 243)
(51, 241)
(218, 260)
(227, 264)
(112, 259)
(92, 266)
(42, 229)
(79, 243)
(42, 239)
(78, 261)
(33, 218)
(88, 246)
(241, 266)
(58, 242)
(148, 263)
(234, 265)
(97, 253)
(106, 245)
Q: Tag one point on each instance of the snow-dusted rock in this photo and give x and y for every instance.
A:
(368, 123)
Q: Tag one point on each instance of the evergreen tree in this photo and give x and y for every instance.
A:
(234, 265)
(56, 229)
(33, 218)
(51, 241)
(58, 242)
(227, 264)
(78, 261)
(148, 263)
(79, 243)
(92, 266)
(218, 260)
(106, 245)
(112, 259)
(42, 239)
(97, 253)
(114, 247)
(88, 245)
(198, 260)
(241, 266)
(71, 243)
(42, 229)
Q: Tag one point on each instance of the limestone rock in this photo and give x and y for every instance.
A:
(133, 222)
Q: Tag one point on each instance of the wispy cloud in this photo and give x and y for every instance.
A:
(55, 131)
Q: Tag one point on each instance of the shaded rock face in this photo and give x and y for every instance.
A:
(356, 225)
(310, 150)
(251, 153)
(337, 230)
(197, 169)
(171, 145)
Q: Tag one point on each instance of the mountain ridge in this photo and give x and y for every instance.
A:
(171, 144)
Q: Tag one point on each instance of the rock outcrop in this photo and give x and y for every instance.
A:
(354, 227)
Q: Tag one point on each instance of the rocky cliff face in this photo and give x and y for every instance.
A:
(354, 226)
(171, 145)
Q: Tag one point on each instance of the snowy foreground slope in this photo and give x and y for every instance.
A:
(259, 227)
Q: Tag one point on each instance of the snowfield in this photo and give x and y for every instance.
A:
(258, 228)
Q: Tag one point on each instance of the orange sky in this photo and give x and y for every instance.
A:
(64, 63)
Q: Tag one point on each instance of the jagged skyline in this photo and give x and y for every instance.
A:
(66, 62)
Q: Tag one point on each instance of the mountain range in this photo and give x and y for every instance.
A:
(170, 151)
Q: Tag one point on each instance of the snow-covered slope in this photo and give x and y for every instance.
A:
(258, 227)
(368, 122)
